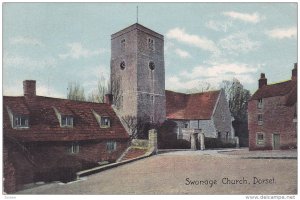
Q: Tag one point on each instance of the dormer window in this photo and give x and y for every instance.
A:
(105, 122)
(260, 103)
(20, 121)
(150, 44)
(66, 121)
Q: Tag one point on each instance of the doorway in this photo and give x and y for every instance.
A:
(276, 141)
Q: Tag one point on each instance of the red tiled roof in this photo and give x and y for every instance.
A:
(278, 89)
(44, 124)
(191, 106)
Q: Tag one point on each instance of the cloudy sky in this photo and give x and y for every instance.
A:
(56, 43)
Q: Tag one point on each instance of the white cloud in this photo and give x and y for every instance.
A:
(219, 26)
(76, 50)
(193, 40)
(182, 53)
(29, 63)
(217, 70)
(20, 40)
(246, 17)
(281, 33)
(238, 42)
(212, 74)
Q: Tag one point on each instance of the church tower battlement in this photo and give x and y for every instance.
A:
(138, 73)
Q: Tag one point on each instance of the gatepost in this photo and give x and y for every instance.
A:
(153, 140)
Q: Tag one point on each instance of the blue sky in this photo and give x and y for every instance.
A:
(55, 43)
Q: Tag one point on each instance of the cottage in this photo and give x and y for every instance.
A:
(207, 111)
(272, 115)
(49, 139)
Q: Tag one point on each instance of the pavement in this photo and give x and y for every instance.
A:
(223, 171)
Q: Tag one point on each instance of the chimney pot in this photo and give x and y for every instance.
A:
(108, 99)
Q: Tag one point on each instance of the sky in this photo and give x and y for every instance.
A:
(58, 43)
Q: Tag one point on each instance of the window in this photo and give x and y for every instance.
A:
(260, 103)
(150, 44)
(111, 145)
(123, 44)
(122, 65)
(104, 122)
(152, 98)
(260, 139)
(219, 135)
(260, 119)
(66, 121)
(74, 148)
(151, 65)
(21, 122)
(186, 125)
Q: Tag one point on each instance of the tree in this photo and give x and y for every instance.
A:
(98, 95)
(75, 92)
(117, 93)
(237, 98)
(202, 86)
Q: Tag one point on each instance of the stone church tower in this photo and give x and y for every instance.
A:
(138, 73)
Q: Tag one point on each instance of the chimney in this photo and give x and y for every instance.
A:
(262, 81)
(294, 72)
(29, 89)
(108, 99)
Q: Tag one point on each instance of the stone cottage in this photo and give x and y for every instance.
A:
(49, 139)
(207, 111)
(272, 115)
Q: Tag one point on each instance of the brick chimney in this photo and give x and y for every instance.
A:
(262, 81)
(29, 89)
(108, 99)
(294, 72)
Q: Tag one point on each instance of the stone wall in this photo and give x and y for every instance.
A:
(277, 119)
(222, 117)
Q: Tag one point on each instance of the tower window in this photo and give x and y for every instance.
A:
(150, 44)
(151, 65)
(122, 65)
(123, 44)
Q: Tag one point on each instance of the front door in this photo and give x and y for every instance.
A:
(276, 141)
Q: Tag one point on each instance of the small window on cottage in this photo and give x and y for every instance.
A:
(123, 44)
(21, 122)
(74, 148)
(260, 139)
(111, 146)
(105, 122)
(66, 121)
(260, 103)
(260, 119)
(150, 44)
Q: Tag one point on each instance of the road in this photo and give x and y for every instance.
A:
(186, 172)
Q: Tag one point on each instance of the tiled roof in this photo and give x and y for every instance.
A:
(191, 106)
(272, 90)
(44, 124)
